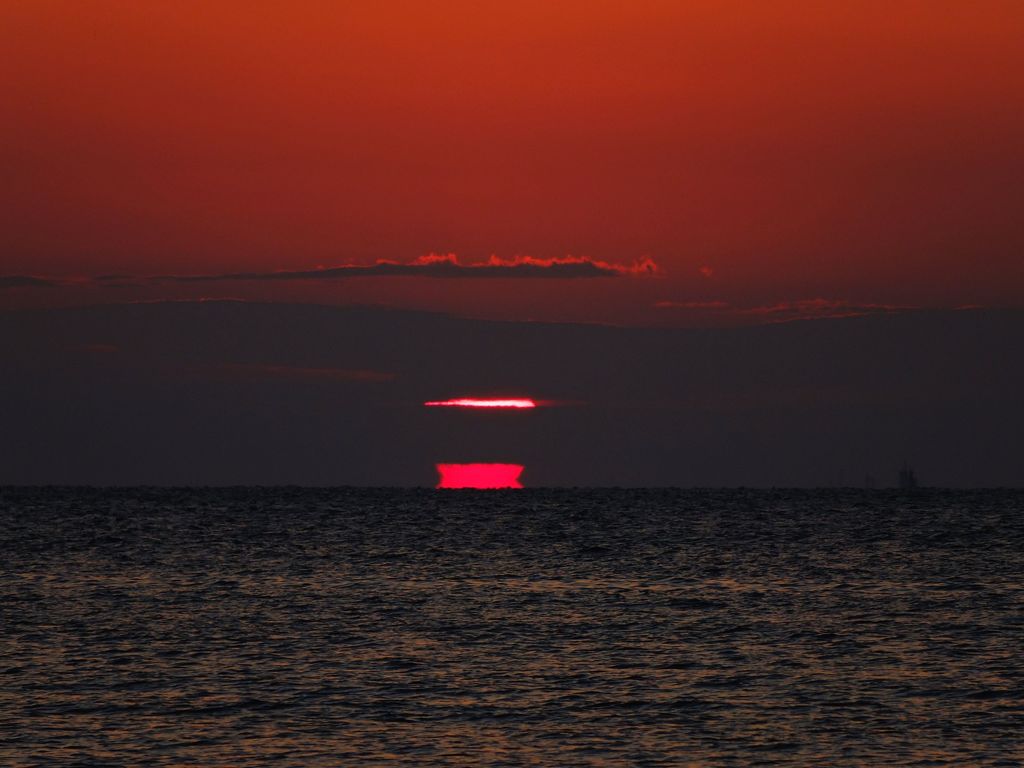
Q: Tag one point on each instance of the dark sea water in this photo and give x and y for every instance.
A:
(295, 627)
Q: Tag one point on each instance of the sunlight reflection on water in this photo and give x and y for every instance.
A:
(250, 627)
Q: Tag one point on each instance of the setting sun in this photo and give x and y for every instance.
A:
(472, 402)
(479, 475)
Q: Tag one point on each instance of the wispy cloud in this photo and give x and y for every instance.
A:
(693, 305)
(814, 308)
(433, 265)
(27, 281)
(444, 266)
(268, 370)
(785, 311)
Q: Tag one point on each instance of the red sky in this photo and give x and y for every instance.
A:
(776, 157)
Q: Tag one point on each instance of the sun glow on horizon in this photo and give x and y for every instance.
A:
(482, 476)
(473, 402)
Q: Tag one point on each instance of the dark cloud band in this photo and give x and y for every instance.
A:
(446, 266)
(26, 281)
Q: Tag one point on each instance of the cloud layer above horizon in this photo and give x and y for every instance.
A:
(431, 265)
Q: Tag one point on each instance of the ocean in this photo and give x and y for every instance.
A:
(354, 627)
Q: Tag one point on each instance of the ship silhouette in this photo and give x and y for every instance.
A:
(908, 480)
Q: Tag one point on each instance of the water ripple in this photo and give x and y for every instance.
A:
(245, 627)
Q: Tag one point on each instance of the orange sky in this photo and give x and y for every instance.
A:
(867, 152)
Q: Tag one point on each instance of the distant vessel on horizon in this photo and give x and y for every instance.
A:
(908, 480)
